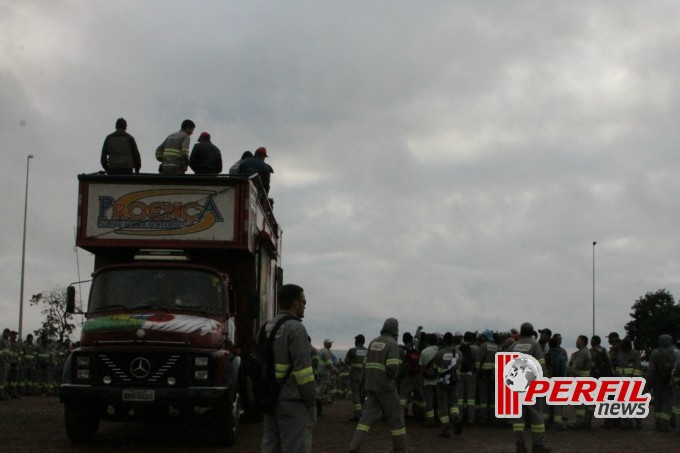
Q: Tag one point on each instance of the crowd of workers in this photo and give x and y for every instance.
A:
(438, 391)
(29, 368)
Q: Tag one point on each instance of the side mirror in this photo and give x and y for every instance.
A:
(70, 299)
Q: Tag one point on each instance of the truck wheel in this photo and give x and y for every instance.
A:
(225, 423)
(82, 423)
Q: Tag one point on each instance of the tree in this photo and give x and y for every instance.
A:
(57, 323)
(653, 315)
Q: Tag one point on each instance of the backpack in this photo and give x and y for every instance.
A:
(412, 361)
(430, 371)
(601, 365)
(467, 364)
(262, 369)
(448, 377)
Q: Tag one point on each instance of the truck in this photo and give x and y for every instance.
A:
(186, 270)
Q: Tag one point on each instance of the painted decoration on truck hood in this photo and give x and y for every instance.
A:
(166, 322)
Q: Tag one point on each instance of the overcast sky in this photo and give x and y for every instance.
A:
(446, 163)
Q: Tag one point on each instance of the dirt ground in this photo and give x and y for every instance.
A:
(35, 424)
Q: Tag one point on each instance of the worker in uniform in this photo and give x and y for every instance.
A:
(173, 153)
(467, 377)
(355, 359)
(533, 414)
(14, 365)
(410, 379)
(447, 360)
(629, 364)
(315, 368)
(45, 365)
(486, 381)
(4, 364)
(579, 366)
(379, 382)
(288, 428)
(427, 356)
(343, 379)
(29, 362)
(675, 380)
(324, 371)
(659, 381)
(614, 349)
(555, 366)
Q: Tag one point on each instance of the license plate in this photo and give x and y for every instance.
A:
(138, 395)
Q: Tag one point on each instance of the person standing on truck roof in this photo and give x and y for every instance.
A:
(173, 153)
(256, 164)
(233, 170)
(288, 428)
(206, 158)
(120, 154)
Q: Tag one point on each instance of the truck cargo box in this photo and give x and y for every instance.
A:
(182, 212)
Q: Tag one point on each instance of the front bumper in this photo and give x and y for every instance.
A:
(188, 396)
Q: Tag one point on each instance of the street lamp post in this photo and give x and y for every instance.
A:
(23, 253)
(594, 243)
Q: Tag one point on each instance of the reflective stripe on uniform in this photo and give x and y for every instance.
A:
(375, 366)
(398, 432)
(304, 375)
(361, 427)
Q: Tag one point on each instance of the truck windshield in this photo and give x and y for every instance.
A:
(157, 289)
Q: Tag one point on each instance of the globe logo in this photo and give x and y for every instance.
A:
(520, 372)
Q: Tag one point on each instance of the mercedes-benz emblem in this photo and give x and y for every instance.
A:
(140, 367)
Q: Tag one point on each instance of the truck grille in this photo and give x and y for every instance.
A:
(141, 370)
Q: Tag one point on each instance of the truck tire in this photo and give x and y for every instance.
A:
(225, 422)
(82, 423)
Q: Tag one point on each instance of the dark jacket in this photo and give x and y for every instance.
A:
(257, 165)
(120, 153)
(205, 159)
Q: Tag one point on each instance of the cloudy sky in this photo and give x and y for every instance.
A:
(447, 163)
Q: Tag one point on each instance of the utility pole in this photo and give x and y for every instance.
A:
(23, 253)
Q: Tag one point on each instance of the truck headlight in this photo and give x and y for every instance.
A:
(83, 374)
(83, 360)
(201, 375)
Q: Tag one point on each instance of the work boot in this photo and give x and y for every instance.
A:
(457, 426)
(588, 421)
(3, 395)
(578, 424)
(541, 449)
(521, 448)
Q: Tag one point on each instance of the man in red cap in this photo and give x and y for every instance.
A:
(257, 165)
(206, 158)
